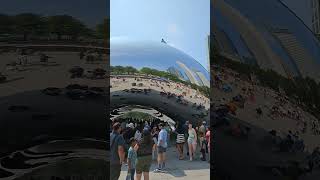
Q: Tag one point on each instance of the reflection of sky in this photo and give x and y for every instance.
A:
(234, 36)
(151, 54)
(183, 24)
(274, 14)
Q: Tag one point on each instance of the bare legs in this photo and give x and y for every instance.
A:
(194, 147)
(180, 151)
(145, 176)
(191, 152)
(154, 150)
(138, 176)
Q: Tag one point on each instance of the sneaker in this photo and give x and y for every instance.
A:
(164, 170)
(157, 170)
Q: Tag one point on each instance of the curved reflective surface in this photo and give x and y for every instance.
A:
(153, 83)
(159, 76)
(45, 92)
(159, 56)
(265, 105)
(279, 40)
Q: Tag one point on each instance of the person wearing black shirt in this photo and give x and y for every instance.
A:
(144, 155)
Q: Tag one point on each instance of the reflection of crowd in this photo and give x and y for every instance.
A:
(292, 129)
(182, 93)
(289, 143)
(241, 96)
(136, 144)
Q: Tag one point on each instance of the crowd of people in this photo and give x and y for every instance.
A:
(247, 100)
(137, 145)
(181, 93)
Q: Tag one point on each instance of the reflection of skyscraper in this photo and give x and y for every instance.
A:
(208, 51)
(316, 17)
(204, 81)
(263, 53)
(224, 42)
(189, 73)
(176, 72)
(303, 60)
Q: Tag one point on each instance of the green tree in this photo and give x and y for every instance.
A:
(67, 25)
(27, 24)
(103, 29)
(6, 23)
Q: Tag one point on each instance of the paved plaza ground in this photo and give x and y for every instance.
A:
(178, 169)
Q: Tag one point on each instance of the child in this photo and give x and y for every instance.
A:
(132, 158)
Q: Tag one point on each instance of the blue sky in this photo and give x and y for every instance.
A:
(184, 24)
(90, 12)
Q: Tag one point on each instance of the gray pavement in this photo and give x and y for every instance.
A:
(178, 169)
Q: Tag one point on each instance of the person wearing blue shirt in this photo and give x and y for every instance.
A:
(117, 151)
(132, 159)
(162, 147)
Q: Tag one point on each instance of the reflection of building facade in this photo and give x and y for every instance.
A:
(315, 17)
(298, 54)
(225, 44)
(264, 55)
(189, 73)
(176, 72)
(208, 51)
(163, 57)
(284, 45)
(202, 78)
(194, 76)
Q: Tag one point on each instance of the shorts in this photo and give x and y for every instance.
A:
(191, 141)
(161, 149)
(155, 140)
(143, 164)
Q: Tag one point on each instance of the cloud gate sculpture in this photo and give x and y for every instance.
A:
(156, 75)
(265, 70)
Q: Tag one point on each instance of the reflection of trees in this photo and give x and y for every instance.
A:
(305, 90)
(66, 25)
(103, 29)
(136, 115)
(163, 74)
(29, 25)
